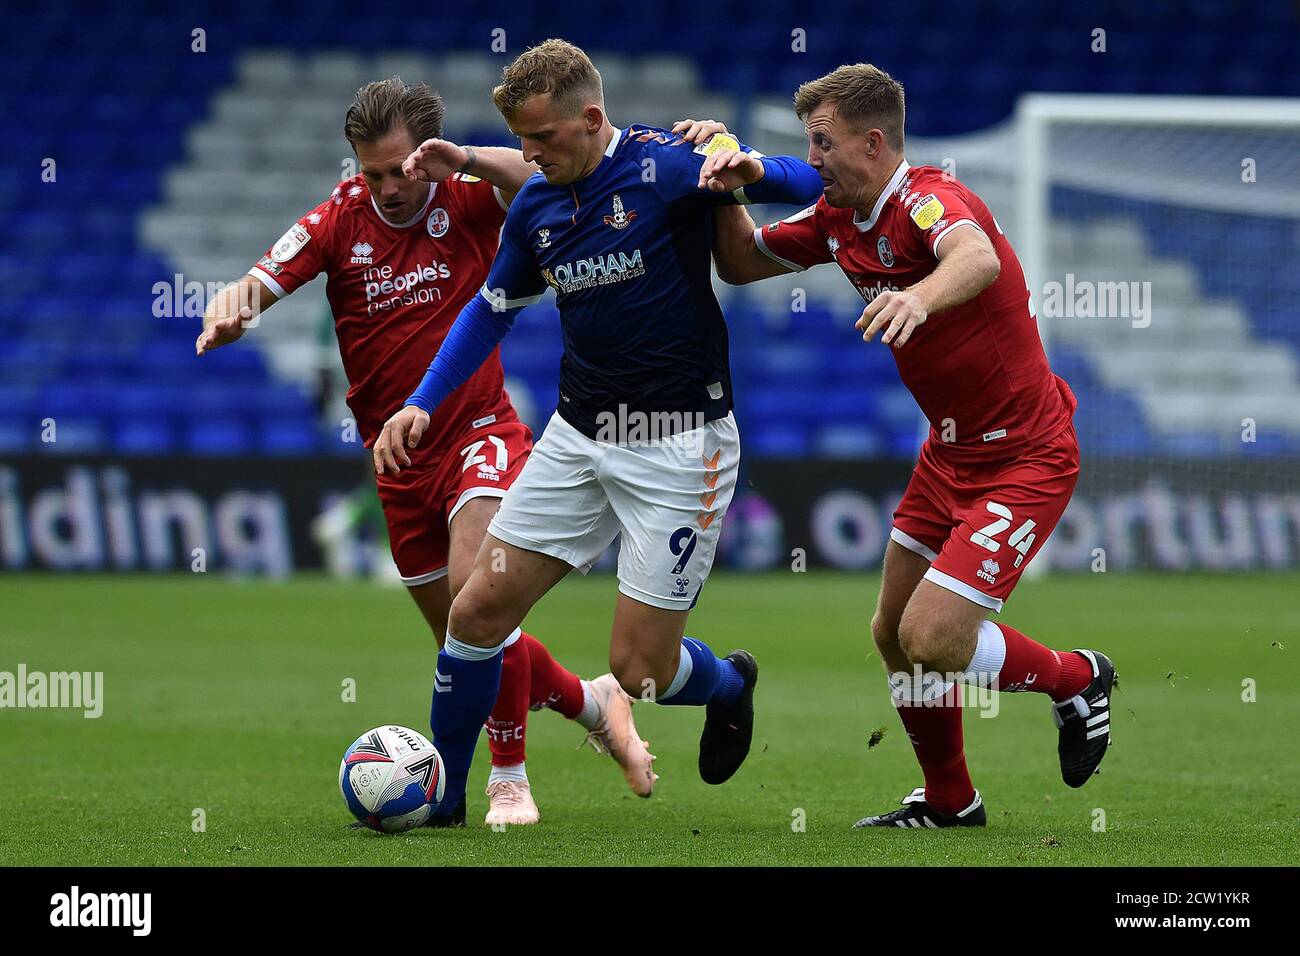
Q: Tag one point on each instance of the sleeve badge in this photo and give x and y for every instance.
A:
(290, 243)
(927, 211)
(716, 143)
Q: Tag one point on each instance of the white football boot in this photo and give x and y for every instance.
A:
(615, 733)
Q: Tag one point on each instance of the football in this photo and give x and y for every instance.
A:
(392, 779)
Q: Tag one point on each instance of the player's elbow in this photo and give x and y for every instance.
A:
(727, 271)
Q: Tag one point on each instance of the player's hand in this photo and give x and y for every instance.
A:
(400, 432)
(434, 160)
(698, 131)
(222, 331)
(728, 170)
(901, 312)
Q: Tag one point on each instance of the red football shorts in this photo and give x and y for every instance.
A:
(981, 524)
(420, 501)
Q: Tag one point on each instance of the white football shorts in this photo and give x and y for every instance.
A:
(667, 498)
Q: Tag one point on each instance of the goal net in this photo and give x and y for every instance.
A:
(1161, 240)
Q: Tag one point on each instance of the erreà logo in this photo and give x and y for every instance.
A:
(620, 219)
(988, 570)
(361, 254)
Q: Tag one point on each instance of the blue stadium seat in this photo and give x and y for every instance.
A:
(226, 436)
(144, 436)
(289, 436)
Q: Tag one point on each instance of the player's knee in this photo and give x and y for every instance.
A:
(921, 639)
(475, 619)
(884, 631)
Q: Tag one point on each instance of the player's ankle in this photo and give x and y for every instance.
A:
(514, 772)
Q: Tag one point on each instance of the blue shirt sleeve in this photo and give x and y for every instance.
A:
(514, 279)
(476, 332)
(677, 173)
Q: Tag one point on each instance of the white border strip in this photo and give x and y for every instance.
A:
(491, 299)
(417, 579)
(934, 246)
(965, 590)
(471, 493)
(257, 272)
(911, 544)
(762, 245)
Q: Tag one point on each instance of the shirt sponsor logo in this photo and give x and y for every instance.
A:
(387, 289)
(288, 245)
(621, 218)
(439, 222)
(594, 271)
(886, 253)
(869, 292)
(361, 254)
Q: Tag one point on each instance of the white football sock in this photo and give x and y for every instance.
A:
(515, 772)
(589, 716)
(990, 654)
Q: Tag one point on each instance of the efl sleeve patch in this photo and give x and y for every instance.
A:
(716, 143)
(926, 211)
(290, 243)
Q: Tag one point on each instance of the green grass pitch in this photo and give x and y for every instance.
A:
(226, 695)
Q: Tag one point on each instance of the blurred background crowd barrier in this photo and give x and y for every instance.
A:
(155, 152)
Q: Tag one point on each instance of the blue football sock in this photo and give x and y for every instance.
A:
(703, 678)
(464, 689)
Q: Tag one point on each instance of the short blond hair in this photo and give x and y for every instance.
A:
(864, 95)
(556, 67)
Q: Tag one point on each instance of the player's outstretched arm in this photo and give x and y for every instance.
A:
(437, 159)
(231, 311)
(968, 264)
(735, 251)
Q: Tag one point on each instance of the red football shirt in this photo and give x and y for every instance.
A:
(978, 366)
(395, 291)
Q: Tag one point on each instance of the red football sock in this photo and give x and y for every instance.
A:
(507, 723)
(552, 685)
(935, 730)
(1030, 666)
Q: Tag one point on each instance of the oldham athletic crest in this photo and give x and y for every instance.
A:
(620, 219)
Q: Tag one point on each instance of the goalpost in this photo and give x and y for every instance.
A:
(1160, 237)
